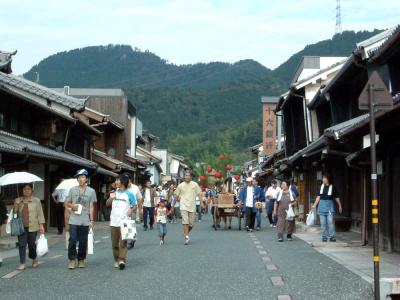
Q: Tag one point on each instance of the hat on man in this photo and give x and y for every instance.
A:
(82, 172)
(249, 179)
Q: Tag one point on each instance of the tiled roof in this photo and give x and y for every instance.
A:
(23, 145)
(378, 51)
(17, 83)
(340, 129)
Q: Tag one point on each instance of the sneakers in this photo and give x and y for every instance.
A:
(81, 264)
(280, 239)
(21, 267)
(332, 239)
(271, 225)
(251, 229)
(145, 228)
(35, 263)
(187, 240)
(161, 242)
(121, 265)
(151, 227)
(116, 265)
(289, 237)
(72, 264)
(324, 240)
(258, 229)
(247, 228)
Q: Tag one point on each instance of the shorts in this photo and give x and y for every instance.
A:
(188, 217)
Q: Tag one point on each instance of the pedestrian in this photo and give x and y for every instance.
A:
(284, 199)
(162, 214)
(175, 207)
(134, 189)
(58, 197)
(198, 207)
(325, 204)
(81, 201)
(3, 220)
(29, 210)
(259, 205)
(271, 195)
(149, 197)
(248, 198)
(123, 203)
(186, 193)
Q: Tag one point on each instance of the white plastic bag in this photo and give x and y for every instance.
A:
(290, 213)
(128, 230)
(90, 242)
(310, 218)
(42, 248)
(8, 225)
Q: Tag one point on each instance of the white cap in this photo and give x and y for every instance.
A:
(248, 179)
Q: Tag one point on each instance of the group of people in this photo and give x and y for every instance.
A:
(125, 199)
(280, 200)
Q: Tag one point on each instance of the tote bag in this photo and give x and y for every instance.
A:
(17, 228)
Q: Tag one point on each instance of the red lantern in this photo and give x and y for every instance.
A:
(237, 177)
(229, 167)
(209, 169)
(202, 177)
(218, 174)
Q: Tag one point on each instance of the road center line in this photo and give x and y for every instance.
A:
(98, 241)
(11, 274)
(56, 256)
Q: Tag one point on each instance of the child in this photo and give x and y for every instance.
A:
(162, 221)
(123, 204)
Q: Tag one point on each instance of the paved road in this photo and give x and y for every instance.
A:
(217, 265)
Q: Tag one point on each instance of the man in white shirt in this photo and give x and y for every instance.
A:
(58, 197)
(271, 195)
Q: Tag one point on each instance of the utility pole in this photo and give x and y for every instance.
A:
(375, 95)
(338, 28)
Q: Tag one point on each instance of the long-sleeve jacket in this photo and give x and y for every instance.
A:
(36, 216)
(258, 195)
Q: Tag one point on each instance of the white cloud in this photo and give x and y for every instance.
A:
(186, 31)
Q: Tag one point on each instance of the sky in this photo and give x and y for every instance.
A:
(183, 31)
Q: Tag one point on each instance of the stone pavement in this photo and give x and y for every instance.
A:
(223, 264)
(349, 252)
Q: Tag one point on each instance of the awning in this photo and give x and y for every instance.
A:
(103, 171)
(110, 162)
(306, 151)
(11, 142)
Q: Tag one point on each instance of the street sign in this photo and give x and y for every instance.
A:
(382, 98)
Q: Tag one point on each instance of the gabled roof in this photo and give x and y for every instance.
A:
(148, 154)
(385, 47)
(369, 46)
(20, 85)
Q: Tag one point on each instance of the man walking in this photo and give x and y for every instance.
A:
(271, 195)
(80, 200)
(186, 193)
(59, 199)
(149, 194)
(134, 189)
(248, 197)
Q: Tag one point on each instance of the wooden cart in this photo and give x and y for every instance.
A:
(225, 206)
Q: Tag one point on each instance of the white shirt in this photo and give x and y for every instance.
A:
(120, 206)
(61, 195)
(147, 198)
(197, 200)
(250, 196)
(134, 189)
(272, 193)
(162, 215)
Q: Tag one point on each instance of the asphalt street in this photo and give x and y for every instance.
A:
(223, 264)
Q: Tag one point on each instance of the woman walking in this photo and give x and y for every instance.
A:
(284, 200)
(123, 204)
(29, 209)
(325, 201)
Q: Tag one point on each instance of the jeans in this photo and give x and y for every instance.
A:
(27, 238)
(78, 234)
(250, 217)
(327, 220)
(150, 212)
(162, 229)
(198, 211)
(270, 208)
(258, 217)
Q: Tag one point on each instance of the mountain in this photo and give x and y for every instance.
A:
(194, 109)
(122, 67)
(339, 45)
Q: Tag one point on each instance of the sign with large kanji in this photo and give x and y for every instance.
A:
(269, 128)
